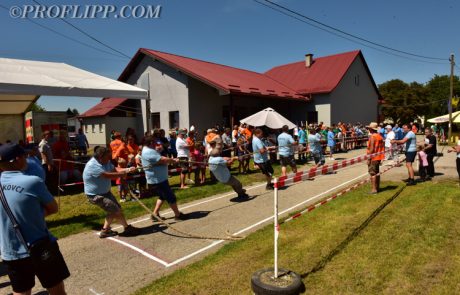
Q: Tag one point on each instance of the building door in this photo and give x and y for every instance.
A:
(155, 120)
(174, 119)
(312, 117)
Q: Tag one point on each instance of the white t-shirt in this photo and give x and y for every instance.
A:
(390, 136)
(182, 148)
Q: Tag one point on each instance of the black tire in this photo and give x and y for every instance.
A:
(260, 288)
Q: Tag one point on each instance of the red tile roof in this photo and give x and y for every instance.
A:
(104, 107)
(226, 78)
(321, 77)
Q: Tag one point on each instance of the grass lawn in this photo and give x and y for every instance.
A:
(77, 214)
(358, 244)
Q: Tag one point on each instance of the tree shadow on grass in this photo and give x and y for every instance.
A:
(340, 247)
(87, 220)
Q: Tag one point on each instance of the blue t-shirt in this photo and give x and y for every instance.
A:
(34, 167)
(26, 196)
(257, 145)
(154, 173)
(330, 138)
(81, 140)
(285, 142)
(95, 183)
(302, 136)
(398, 133)
(218, 167)
(315, 143)
(411, 144)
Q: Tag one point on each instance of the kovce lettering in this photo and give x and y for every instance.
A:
(12, 187)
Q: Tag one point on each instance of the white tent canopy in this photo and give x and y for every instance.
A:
(445, 118)
(23, 81)
(268, 117)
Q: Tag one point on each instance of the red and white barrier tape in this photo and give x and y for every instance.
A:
(341, 193)
(325, 169)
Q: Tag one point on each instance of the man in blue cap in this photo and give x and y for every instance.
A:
(30, 202)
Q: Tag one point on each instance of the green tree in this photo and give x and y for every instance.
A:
(75, 112)
(400, 100)
(35, 107)
(438, 91)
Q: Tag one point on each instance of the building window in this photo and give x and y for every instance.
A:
(312, 117)
(155, 120)
(101, 128)
(86, 128)
(357, 80)
(173, 119)
(93, 126)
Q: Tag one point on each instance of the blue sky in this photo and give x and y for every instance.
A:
(245, 34)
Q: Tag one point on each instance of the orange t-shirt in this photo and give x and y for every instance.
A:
(191, 143)
(132, 149)
(379, 146)
(114, 146)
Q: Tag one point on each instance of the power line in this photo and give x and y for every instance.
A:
(89, 36)
(65, 36)
(277, 7)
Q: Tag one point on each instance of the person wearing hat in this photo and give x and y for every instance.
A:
(375, 145)
(411, 151)
(390, 147)
(29, 201)
(156, 174)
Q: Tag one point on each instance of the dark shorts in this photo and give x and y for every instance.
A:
(266, 168)
(22, 272)
(163, 191)
(319, 158)
(410, 157)
(184, 164)
(106, 201)
(373, 168)
(289, 160)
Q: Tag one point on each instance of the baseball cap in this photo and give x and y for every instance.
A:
(182, 131)
(10, 151)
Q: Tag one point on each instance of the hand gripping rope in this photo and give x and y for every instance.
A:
(229, 236)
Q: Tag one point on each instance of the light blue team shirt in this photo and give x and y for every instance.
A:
(257, 144)
(285, 142)
(154, 173)
(95, 183)
(218, 167)
(330, 138)
(411, 144)
(26, 196)
(315, 143)
(34, 167)
(302, 136)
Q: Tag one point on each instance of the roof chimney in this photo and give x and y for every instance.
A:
(308, 60)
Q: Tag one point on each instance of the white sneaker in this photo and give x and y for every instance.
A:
(122, 200)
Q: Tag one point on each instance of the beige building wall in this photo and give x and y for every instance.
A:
(168, 90)
(355, 98)
(95, 130)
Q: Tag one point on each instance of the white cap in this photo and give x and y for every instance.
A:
(388, 126)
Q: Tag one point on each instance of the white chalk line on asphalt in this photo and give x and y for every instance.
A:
(263, 221)
(148, 255)
(194, 204)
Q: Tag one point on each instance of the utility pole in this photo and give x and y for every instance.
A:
(451, 93)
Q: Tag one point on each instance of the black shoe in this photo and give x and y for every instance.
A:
(130, 231)
(181, 216)
(107, 233)
(269, 187)
(407, 180)
(243, 196)
(411, 182)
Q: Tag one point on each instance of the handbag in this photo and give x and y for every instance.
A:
(43, 252)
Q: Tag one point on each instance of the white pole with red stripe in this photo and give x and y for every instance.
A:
(276, 228)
